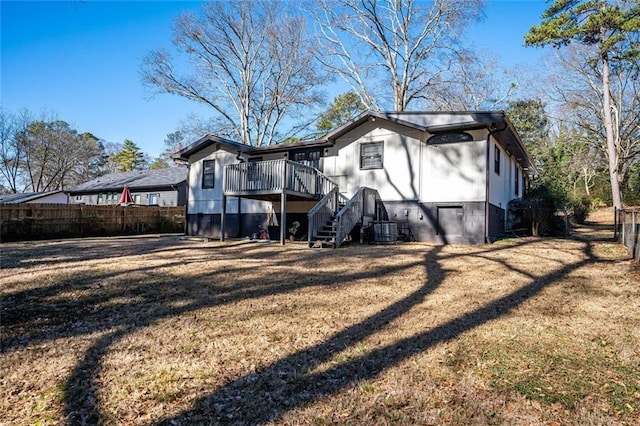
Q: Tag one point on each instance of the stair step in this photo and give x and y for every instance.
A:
(322, 234)
(322, 244)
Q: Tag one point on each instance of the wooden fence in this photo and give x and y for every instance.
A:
(627, 230)
(20, 222)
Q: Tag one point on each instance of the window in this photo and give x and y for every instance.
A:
(208, 174)
(371, 155)
(496, 160)
(450, 137)
(517, 182)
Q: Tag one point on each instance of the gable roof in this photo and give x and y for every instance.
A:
(370, 116)
(433, 122)
(25, 197)
(240, 148)
(496, 122)
(167, 177)
(206, 141)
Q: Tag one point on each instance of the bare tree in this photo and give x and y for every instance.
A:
(402, 44)
(11, 151)
(252, 62)
(55, 156)
(577, 89)
(472, 82)
(44, 153)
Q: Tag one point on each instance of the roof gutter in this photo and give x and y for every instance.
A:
(441, 128)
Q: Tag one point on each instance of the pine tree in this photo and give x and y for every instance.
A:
(343, 108)
(613, 28)
(129, 158)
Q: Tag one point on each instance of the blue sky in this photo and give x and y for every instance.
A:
(80, 60)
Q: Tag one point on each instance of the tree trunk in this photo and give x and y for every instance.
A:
(612, 151)
(586, 181)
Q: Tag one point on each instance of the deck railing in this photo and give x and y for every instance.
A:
(275, 176)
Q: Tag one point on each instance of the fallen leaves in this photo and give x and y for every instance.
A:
(166, 329)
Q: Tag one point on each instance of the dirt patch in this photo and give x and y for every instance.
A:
(162, 330)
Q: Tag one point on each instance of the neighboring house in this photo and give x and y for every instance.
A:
(440, 176)
(162, 187)
(49, 197)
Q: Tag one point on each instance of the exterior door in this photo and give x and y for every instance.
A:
(254, 174)
(309, 157)
(450, 220)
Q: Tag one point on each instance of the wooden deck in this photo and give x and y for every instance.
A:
(274, 180)
(268, 180)
(330, 221)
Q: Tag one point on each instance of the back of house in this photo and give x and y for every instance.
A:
(444, 177)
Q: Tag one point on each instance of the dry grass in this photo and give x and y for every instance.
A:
(161, 330)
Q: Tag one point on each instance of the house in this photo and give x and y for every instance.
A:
(162, 187)
(48, 197)
(444, 177)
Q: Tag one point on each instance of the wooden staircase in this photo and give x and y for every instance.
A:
(326, 235)
(334, 217)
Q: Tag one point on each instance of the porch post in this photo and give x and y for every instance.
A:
(283, 216)
(222, 217)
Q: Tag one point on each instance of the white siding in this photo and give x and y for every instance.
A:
(454, 172)
(209, 201)
(412, 169)
(400, 176)
(502, 187)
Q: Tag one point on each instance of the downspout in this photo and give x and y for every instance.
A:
(186, 200)
(420, 165)
(492, 131)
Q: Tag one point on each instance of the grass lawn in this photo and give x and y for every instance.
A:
(159, 330)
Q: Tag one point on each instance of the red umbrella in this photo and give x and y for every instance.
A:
(126, 197)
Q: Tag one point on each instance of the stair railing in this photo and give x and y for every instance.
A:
(322, 212)
(363, 203)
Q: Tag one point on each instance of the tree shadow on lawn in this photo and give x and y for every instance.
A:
(80, 304)
(53, 253)
(102, 300)
(292, 381)
(266, 394)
